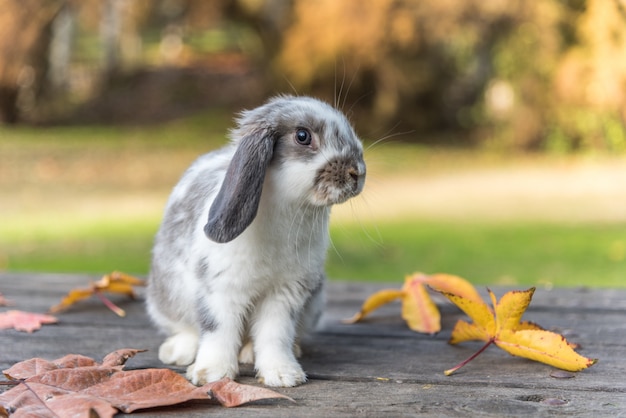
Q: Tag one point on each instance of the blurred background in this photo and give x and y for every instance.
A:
(495, 130)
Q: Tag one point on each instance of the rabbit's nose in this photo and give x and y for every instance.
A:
(357, 174)
(352, 172)
(357, 170)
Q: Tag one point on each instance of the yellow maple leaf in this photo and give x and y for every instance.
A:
(418, 309)
(502, 326)
(116, 282)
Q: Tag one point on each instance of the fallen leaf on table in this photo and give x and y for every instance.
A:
(24, 321)
(374, 302)
(32, 367)
(116, 282)
(4, 301)
(74, 385)
(502, 326)
(418, 309)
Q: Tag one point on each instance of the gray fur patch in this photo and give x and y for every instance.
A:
(181, 215)
(202, 268)
(175, 234)
(207, 320)
(237, 202)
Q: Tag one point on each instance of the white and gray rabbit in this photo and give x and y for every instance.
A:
(247, 283)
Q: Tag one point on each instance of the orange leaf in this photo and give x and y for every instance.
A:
(24, 321)
(478, 311)
(452, 284)
(118, 276)
(418, 309)
(71, 298)
(529, 326)
(374, 302)
(543, 346)
(511, 307)
(504, 328)
(116, 282)
(464, 331)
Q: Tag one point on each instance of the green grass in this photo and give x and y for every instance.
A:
(521, 254)
(46, 174)
(81, 247)
(499, 253)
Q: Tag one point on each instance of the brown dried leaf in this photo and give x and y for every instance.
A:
(4, 301)
(142, 389)
(119, 357)
(29, 368)
(71, 361)
(36, 366)
(24, 321)
(84, 385)
(26, 401)
(229, 393)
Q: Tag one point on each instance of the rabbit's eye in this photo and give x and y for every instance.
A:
(303, 137)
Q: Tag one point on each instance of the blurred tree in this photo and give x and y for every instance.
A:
(25, 27)
(502, 72)
(591, 82)
(427, 63)
(63, 29)
(514, 74)
(269, 18)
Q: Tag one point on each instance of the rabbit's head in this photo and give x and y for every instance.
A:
(305, 147)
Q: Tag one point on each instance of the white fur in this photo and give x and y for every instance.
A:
(254, 254)
(261, 283)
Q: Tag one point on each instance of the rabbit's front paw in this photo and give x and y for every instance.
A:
(246, 354)
(179, 349)
(199, 373)
(287, 374)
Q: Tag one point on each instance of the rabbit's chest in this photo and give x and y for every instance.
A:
(271, 254)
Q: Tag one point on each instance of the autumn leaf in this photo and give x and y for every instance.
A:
(501, 325)
(24, 321)
(418, 310)
(116, 282)
(374, 302)
(4, 301)
(74, 385)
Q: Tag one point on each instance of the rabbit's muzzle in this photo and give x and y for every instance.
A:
(339, 180)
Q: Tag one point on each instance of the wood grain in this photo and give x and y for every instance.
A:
(375, 368)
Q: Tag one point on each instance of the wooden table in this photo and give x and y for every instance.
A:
(377, 368)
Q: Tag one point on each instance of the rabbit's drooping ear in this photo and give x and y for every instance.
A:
(237, 202)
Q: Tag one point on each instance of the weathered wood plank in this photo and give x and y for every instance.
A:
(376, 368)
(390, 399)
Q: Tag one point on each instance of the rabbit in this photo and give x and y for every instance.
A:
(238, 261)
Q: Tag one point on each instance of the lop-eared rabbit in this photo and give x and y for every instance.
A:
(237, 272)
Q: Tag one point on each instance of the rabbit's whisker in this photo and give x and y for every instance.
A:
(343, 80)
(298, 213)
(378, 240)
(291, 85)
(345, 98)
(388, 136)
(334, 247)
